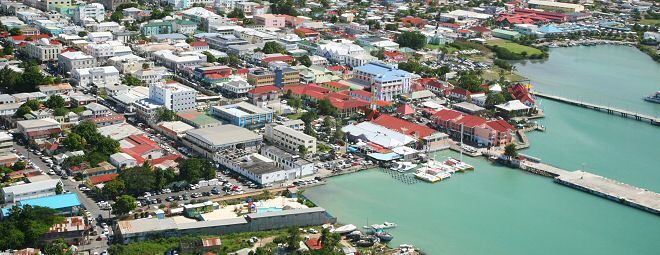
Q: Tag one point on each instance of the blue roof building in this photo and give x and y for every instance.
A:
(385, 80)
(65, 204)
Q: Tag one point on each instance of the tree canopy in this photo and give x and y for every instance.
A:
(413, 40)
(195, 169)
(273, 47)
(25, 226)
(14, 82)
(123, 205)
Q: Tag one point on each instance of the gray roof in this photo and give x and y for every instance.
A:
(224, 134)
(285, 212)
(31, 187)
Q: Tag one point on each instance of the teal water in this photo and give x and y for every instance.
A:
(617, 76)
(497, 210)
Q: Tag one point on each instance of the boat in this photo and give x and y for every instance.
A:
(655, 98)
(403, 167)
(384, 236)
(460, 165)
(385, 225)
(426, 177)
(553, 45)
(367, 241)
(344, 229)
(355, 235)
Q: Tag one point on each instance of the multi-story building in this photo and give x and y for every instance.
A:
(295, 165)
(208, 141)
(104, 76)
(68, 61)
(43, 50)
(173, 96)
(151, 76)
(112, 4)
(55, 89)
(385, 81)
(13, 194)
(270, 20)
(339, 52)
(235, 87)
(146, 109)
(280, 77)
(156, 28)
(172, 61)
(90, 11)
(129, 63)
(243, 114)
(6, 143)
(555, 6)
(289, 139)
(46, 5)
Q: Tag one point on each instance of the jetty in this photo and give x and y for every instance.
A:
(598, 185)
(601, 108)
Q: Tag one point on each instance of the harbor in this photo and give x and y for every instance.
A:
(607, 109)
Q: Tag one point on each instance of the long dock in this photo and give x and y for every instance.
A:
(601, 108)
(598, 185)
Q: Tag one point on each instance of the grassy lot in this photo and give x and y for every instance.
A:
(445, 48)
(652, 22)
(493, 74)
(230, 243)
(295, 116)
(513, 47)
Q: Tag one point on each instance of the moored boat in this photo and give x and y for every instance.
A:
(655, 98)
(385, 225)
(344, 229)
(384, 236)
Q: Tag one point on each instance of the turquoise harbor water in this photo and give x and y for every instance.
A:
(497, 210)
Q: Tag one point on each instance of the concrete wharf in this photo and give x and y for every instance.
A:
(598, 185)
(601, 108)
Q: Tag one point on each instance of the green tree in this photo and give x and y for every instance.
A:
(60, 111)
(33, 104)
(414, 40)
(25, 226)
(164, 177)
(165, 114)
(304, 60)
(236, 13)
(123, 205)
(114, 188)
(510, 150)
(325, 107)
(82, 33)
(58, 188)
(117, 16)
(193, 170)
(273, 47)
(210, 57)
(55, 101)
(293, 239)
(494, 99)
(302, 150)
(22, 110)
(138, 179)
(131, 80)
(58, 247)
(392, 26)
(19, 165)
(15, 31)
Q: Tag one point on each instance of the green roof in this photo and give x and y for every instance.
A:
(506, 32)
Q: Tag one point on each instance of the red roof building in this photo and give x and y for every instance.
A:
(141, 147)
(98, 179)
(405, 109)
(404, 126)
(520, 92)
(413, 22)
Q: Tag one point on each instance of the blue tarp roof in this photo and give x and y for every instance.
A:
(550, 29)
(54, 202)
(384, 156)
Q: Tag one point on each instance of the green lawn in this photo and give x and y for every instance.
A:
(446, 48)
(513, 47)
(652, 22)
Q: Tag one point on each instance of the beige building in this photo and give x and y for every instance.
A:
(290, 139)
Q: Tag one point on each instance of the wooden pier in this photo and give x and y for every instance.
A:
(601, 108)
(598, 185)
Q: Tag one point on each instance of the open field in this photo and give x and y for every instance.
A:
(513, 47)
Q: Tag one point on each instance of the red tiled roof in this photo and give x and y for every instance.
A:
(102, 178)
(307, 31)
(160, 160)
(336, 85)
(461, 91)
(447, 114)
(479, 29)
(199, 44)
(361, 93)
(500, 125)
(141, 146)
(338, 68)
(263, 90)
(471, 121)
(403, 126)
(109, 118)
(405, 109)
(314, 244)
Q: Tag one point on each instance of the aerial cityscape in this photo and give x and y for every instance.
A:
(253, 127)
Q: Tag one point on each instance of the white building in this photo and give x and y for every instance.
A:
(295, 166)
(68, 61)
(236, 86)
(43, 50)
(254, 166)
(99, 36)
(109, 26)
(172, 61)
(103, 76)
(289, 139)
(123, 160)
(173, 96)
(386, 81)
(151, 76)
(13, 194)
(91, 11)
(105, 50)
(128, 63)
(339, 52)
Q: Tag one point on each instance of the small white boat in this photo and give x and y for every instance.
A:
(385, 225)
(344, 229)
(403, 167)
(426, 177)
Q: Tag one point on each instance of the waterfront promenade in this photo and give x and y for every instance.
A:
(598, 185)
(601, 108)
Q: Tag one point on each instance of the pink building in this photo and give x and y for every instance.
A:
(271, 20)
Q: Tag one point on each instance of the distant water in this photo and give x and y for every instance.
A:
(618, 76)
(497, 210)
